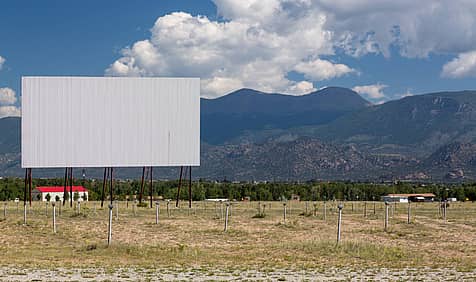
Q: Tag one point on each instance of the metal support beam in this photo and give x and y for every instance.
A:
(65, 191)
(189, 187)
(179, 184)
(150, 187)
(30, 183)
(141, 191)
(71, 187)
(104, 181)
(111, 186)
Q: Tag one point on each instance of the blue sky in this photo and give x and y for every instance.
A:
(383, 51)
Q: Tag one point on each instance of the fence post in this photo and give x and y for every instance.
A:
(24, 214)
(5, 211)
(408, 213)
(54, 216)
(325, 211)
(109, 231)
(386, 215)
(365, 209)
(444, 210)
(157, 206)
(168, 210)
(226, 216)
(284, 212)
(339, 222)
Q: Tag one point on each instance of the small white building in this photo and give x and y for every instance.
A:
(392, 198)
(56, 193)
(405, 198)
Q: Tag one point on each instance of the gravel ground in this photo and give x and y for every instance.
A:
(331, 274)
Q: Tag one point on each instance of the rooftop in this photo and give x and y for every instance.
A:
(58, 189)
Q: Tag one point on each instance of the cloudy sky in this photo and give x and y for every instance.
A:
(383, 50)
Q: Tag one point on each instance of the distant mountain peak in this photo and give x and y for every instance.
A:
(246, 110)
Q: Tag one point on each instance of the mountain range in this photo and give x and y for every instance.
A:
(330, 134)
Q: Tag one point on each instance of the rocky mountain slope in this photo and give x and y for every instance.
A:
(248, 112)
(427, 137)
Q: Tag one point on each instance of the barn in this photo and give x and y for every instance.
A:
(42, 193)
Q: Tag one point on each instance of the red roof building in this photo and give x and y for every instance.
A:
(56, 193)
(56, 189)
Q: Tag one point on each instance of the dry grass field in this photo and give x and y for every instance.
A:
(192, 242)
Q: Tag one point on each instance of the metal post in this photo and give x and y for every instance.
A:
(111, 188)
(179, 185)
(65, 184)
(79, 206)
(325, 211)
(54, 217)
(386, 215)
(408, 213)
(24, 213)
(284, 212)
(30, 183)
(444, 211)
(141, 191)
(339, 222)
(71, 186)
(365, 209)
(189, 187)
(25, 190)
(157, 212)
(226, 216)
(168, 209)
(150, 187)
(109, 231)
(46, 209)
(5, 211)
(104, 182)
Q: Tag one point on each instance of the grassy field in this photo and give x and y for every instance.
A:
(195, 239)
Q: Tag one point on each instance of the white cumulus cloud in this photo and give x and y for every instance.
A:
(7, 96)
(373, 92)
(2, 61)
(7, 100)
(462, 66)
(322, 69)
(9, 111)
(251, 51)
(260, 42)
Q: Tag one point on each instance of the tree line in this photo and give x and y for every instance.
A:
(11, 188)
